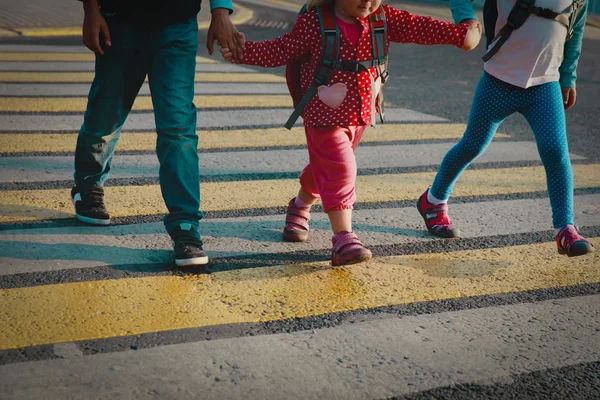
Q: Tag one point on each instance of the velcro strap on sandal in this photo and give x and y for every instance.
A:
(298, 216)
(347, 239)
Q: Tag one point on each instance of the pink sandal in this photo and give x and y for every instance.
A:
(296, 223)
(348, 249)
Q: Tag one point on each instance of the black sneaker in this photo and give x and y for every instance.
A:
(188, 246)
(89, 205)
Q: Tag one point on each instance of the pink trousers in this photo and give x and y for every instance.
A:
(331, 173)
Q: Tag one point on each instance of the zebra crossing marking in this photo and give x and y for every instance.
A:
(101, 309)
(146, 200)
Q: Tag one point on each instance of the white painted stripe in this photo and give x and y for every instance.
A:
(392, 355)
(206, 119)
(60, 66)
(32, 169)
(82, 89)
(49, 249)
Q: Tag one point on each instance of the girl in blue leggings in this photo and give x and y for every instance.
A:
(532, 73)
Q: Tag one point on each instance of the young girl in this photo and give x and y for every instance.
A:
(336, 117)
(532, 73)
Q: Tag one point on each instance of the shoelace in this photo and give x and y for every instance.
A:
(188, 239)
(94, 198)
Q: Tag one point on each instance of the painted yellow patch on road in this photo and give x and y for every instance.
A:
(30, 205)
(142, 103)
(239, 138)
(101, 309)
(78, 77)
(49, 56)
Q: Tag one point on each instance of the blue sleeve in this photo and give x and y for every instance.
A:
(221, 4)
(461, 10)
(568, 68)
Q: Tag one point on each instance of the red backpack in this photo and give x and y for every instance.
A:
(328, 60)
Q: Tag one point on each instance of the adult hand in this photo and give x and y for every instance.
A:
(227, 53)
(93, 24)
(224, 32)
(569, 96)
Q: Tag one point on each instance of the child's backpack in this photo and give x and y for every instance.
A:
(517, 17)
(328, 60)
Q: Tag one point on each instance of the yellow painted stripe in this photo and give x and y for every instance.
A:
(49, 56)
(86, 77)
(62, 31)
(286, 3)
(101, 309)
(144, 141)
(26, 205)
(142, 103)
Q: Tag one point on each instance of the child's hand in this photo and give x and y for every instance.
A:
(228, 54)
(473, 34)
(569, 96)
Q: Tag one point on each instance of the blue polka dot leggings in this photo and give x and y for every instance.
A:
(542, 106)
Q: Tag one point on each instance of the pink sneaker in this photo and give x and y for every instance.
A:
(296, 223)
(571, 243)
(348, 249)
(436, 218)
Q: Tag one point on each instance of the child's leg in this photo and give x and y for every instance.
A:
(331, 152)
(340, 220)
(546, 116)
(333, 165)
(494, 100)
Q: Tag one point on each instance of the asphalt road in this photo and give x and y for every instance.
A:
(89, 313)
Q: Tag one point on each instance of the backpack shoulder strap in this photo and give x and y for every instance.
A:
(517, 17)
(519, 14)
(490, 15)
(379, 48)
(330, 50)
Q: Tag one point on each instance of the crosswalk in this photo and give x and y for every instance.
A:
(69, 291)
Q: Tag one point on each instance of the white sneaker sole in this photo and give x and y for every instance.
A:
(88, 220)
(186, 262)
(92, 221)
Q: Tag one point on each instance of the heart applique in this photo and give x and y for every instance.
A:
(332, 95)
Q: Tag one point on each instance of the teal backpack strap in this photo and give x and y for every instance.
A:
(330, 51)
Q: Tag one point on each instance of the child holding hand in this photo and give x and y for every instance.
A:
(336, 117)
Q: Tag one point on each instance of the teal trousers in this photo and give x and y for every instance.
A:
(166, 55)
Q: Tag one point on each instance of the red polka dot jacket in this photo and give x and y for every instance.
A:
(305, 38)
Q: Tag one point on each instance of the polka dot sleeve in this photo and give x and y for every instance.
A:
(404, 27)
(291, 46)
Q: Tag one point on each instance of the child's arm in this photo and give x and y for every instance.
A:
(277, 52)
(568, 68)
(405, 27)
